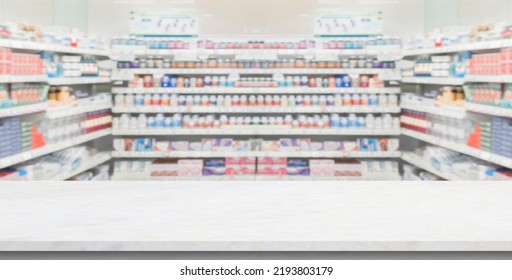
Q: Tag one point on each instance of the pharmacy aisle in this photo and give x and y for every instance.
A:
(52, 120)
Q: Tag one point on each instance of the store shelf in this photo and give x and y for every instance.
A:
(458, 81)
(415, 160)
(68, 111)
(51, 148)
(445, 111)
(139, 177)
(276, 90)
(433, 80)
(124, 74)
(23, 79)
(257, 110)
(461, 148)
(222, 154)
(40, 47)
(22, 110)
(489, 110)
(255, 130)
(89, 164)
(256, 52)
(488, 78)
(475, 46)
(78, 80)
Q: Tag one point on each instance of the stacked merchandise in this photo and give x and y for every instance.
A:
(304, 81)
(452, 129)
(253, 168)
(455, 166)
(413, 173)
(214, 63)
(284, 145)
(53, 166)
(66, 97)
(177, 121)
(20, 63)
(21, 94)
(252, 101)
(135, 43)
(491, 63)
(51, 35)
(69, 66)
(444, 66)
(99, 173)
(446, 97)
(459, 35)
(490, 94)
(18, 136)
(23, 136)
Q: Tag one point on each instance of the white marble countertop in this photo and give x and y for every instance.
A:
(256, 216)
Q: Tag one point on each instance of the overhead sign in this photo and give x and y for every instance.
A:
(165, 25)
(349, 25)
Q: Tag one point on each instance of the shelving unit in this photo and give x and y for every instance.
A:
(433, 80)
(473, 46)
(257, 109)
(122, 75)
(261, 130)
(40, 47)
(387, 74)
(415, 160)
(138, 177)
(445, 111)
(489, 110)
(62, 112)
(222, 154)
(234, 90)
(461, 148)
(23, 79)
(51, 148)
(78, 81)
(118, 52)
(22, 110)
(54, 112)
(95, 161)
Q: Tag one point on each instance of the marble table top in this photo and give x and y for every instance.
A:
(256, 216)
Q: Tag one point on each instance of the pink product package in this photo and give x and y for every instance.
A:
(333, 146)
(322, 167)
(179, 146)
(190, 167)
(233, 161)
(195, 146)
(223, 144)
(233, 170)
(248, 161)
(164, 169)
(247, 169)
(279, 161)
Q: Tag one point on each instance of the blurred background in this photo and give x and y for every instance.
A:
(108, 18)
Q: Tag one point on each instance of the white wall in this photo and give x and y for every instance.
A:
(481, 11)
(235, 17)
(230, 17)
(29, 11)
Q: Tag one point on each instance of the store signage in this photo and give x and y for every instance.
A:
(164, 25)
(349, 25)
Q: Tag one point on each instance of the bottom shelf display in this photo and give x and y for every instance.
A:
(59, 166)
(250, 168)
(441, 163)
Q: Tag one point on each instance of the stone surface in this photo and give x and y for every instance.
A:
(256, 216)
